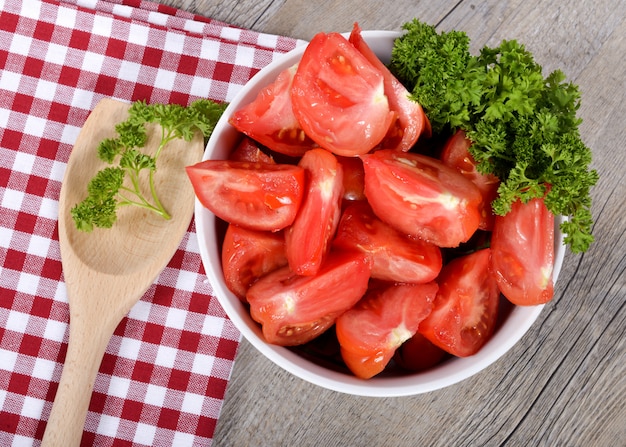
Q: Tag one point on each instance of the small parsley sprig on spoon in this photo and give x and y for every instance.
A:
(107, 191)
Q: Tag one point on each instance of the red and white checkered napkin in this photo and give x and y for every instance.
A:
(164, 375)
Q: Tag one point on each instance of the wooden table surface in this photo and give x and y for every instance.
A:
(564, 383)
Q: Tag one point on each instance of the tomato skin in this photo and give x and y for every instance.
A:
(338, 97)
(258, 196)
(247, 255)
(411, 120)
(456, 154)
(394, 256)
(308, 238)
(269, 118)
(294, 309)
(249, 150)
(420, 196)
(376, 326)
(466, 306)
(522, 246)
(419, 354)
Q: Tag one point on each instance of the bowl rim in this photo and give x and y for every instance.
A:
(517, 324)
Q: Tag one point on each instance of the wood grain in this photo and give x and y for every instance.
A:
(564, 383)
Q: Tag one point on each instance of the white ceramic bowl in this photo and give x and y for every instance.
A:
(224, 138)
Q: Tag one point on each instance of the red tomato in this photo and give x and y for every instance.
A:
(376, 326)
(394, 256)
(259, 196)
(270, 120)
(522, 246)
(411, 120)
(353, 178)
(338, 97)
(420, 196)
(466, 305)
(308, 239)
(249, 150)
(295, 309)
(456, 154)
(248, 255)
(418, 354)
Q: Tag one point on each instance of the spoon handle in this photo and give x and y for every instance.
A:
(85, 351)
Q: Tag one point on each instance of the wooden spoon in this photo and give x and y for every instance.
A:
(108, 270)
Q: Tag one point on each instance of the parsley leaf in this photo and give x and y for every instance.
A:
(523, 126)
(107, 190)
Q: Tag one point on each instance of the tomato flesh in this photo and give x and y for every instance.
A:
(247, 255)
(394, 256)
(249, 150)
(523, 253)
(338, 97)
(308, 238)
(376, 326)
(419, 354)
(353, 178)
(269, 118)
(420, 196)
(294, 309)
(258, 196)
(466, 305)
(456, 154)
(411, 120)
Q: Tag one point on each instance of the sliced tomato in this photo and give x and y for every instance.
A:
(522, 246)
(308, 239)
(248, 255)
(420, 196)
(411, 120)
(338, 97)
(456, 154)
(376, 326)
(259, 196)
(270, 120)
(394, 256)
(295, 309)
(353, 178)
(418, 354)
(466, 306)
(249, 150)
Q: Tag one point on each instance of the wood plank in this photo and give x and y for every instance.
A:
(303, 18)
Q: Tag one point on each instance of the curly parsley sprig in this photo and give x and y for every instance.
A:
(523, 127)
(107, 191)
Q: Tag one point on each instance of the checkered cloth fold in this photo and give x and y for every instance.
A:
(165, 372)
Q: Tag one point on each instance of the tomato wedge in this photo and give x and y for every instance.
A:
(418, 354)
(249, 150)
(248, 255)
(259, 196)
(270, 120)
(420, 196)
(353, 178)
(308, 239)
(411, 120)
(466, 306)
(394, 256)
(376, 326)
(456, 154)
(295, 309)
(338, 97)
(522, 246)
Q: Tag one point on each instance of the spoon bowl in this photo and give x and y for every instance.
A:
(107, 271)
